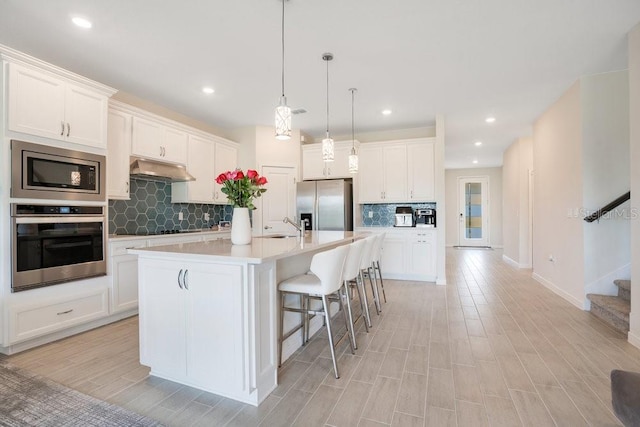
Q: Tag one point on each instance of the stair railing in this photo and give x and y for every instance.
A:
(608, 208)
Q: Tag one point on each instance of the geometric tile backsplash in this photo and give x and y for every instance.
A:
(384, 214)
(150, 211)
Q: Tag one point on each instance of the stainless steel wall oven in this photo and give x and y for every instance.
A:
(43, 172)
(56, 244)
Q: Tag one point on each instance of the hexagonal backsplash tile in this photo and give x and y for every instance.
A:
(150, 211)
(383, 215)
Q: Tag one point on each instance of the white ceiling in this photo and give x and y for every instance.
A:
(466, 59)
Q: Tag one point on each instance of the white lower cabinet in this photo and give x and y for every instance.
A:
(124, 275)
(191, 321)
(409, 254)
(33, 320)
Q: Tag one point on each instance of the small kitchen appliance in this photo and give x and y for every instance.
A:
(404, 216)
(426, 218)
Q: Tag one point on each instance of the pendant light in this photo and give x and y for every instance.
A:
(353, 157)
(327, 142)
(283, 112)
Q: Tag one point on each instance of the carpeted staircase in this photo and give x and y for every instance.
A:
(614, 310)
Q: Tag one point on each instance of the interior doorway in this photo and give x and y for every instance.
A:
(473, 211)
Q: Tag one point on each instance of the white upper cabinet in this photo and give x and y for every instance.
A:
(383, 173)
(118, 150)
(313, 167)
(158, 141)
(43, 104)
(421, 170)
(200, 161)
(397, 171)
(226, 159)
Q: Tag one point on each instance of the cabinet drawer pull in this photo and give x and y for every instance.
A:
(180, 279)
(68, 128)
(65, 312)
(62, 131)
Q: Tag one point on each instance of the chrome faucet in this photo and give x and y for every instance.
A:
(298, 227)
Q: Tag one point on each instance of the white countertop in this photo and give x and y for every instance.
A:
(260, 250)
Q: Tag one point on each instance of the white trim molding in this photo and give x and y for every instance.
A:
(558, 291)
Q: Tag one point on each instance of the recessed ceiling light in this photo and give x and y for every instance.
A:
(475, 161)
(208, 90)
(477, 143)
(386, 112)
(490, 119)
(81, 22)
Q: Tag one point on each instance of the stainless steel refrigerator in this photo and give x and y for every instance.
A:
(326, 204)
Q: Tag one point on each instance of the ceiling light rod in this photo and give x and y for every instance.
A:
(283, 112)
(327, 143)
(353, 157)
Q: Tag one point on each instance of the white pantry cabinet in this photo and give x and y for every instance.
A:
(192, 322)
(313, 167)
(155, 140)
(383, 173)
(43, 104)
(118, 150)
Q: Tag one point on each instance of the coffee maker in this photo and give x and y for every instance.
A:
(426, 218)
(404, 216)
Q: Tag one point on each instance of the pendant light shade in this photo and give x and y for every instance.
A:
(353, 157)
(283, 112)
(328, 152)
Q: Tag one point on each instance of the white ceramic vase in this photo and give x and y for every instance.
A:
(240, 227)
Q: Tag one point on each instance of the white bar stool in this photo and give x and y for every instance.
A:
(324, 280)
(365, 266)
(375, 263)
(351, 274)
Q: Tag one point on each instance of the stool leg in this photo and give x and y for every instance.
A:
(303, 319)
(327, 316)
(377, 267)
(281, 331)
(362, 292)
(348, 319)
(305, 330)
(374, 289)
(363, 311)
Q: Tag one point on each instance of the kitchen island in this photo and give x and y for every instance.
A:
(209, 310)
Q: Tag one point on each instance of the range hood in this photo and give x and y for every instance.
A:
(158, 171)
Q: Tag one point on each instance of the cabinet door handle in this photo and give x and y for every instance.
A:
(64, 312)
(185, 279)
(180, 279)
(126, 187)
(62, 131)
(68, 128)
(412, 194)
(161, 151)
(328, 171)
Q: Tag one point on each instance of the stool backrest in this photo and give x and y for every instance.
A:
(367, 252)
(377, 249)
(352, 264)
(328, 266)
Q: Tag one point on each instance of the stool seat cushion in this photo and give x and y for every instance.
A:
(625, 396)
(302, 284)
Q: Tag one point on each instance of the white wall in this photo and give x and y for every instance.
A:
(634, 137)
(495, 203)
(516, 168)
(557, 159)
(605, 154)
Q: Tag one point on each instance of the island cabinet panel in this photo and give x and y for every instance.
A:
(191, 323)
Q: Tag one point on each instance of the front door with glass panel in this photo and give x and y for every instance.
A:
(473, 211)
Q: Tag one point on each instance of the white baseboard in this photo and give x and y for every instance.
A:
(633, 339)
(558, 291)
(509, 261)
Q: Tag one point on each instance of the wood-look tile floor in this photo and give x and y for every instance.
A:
(492, 347)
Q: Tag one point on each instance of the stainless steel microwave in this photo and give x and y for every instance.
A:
(44, 172)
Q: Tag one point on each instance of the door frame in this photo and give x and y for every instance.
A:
(486, 209)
